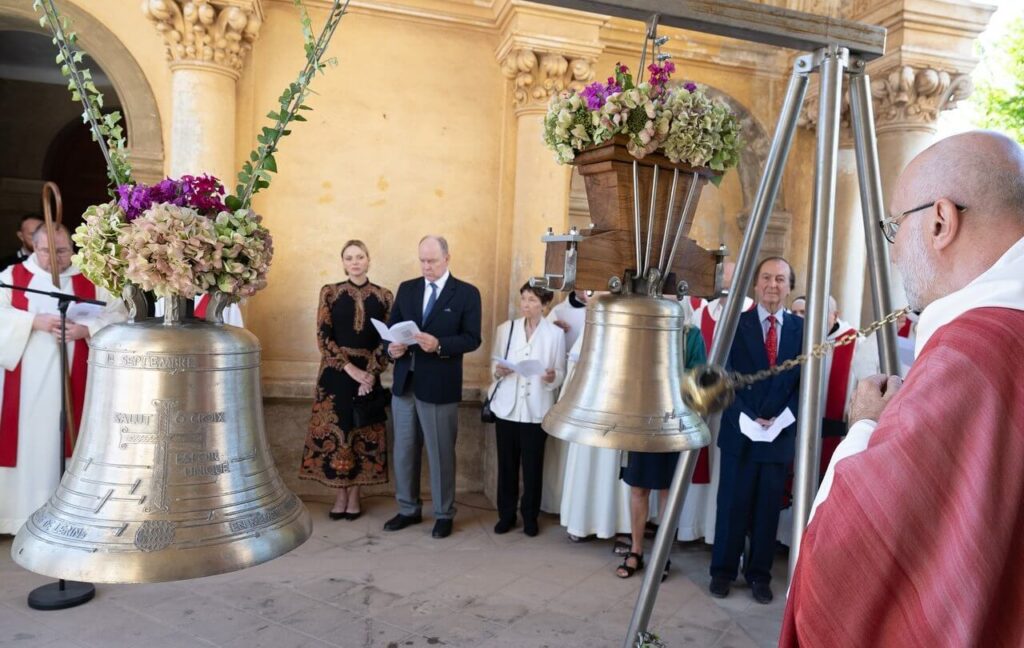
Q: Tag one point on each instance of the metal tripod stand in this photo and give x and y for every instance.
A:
(831, 63)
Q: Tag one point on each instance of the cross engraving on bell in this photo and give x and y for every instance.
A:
(171, 426)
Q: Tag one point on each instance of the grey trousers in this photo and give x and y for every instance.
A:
(417, 424)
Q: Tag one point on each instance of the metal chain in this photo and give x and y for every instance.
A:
(740, 380)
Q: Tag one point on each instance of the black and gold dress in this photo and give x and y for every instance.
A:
(338, 453)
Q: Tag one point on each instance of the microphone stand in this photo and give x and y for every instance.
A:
(62, 594)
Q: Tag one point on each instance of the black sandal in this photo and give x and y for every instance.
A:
(623, 545)
(664, 574)
(625, 570)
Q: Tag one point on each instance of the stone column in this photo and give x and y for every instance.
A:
(541, 190)
(207, 41)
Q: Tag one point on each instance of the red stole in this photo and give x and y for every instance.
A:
(918, 543)
(904, 331)
(200, 309)
(11, 405)
(835, 397)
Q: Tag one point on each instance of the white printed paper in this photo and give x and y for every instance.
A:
(755, 432)
(84, 314)
(402, 332)
(526, 368)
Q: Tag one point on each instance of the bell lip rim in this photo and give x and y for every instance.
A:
(625, 439)
(301, 529)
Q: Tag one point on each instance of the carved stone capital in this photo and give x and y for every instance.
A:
(910, 95)
(209, 33)
(902, 97)
(538, 75)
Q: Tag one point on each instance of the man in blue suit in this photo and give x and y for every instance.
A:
(753, 473)
(428, 383)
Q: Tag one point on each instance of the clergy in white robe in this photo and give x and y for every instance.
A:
(594, 500)
(570, 316)
(30, 375)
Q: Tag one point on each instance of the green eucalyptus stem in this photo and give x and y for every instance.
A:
(118, 169)
(255, 174)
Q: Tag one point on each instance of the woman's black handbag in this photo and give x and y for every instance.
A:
(486, 415)
(370, 408)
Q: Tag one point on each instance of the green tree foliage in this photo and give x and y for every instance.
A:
(1000, 98)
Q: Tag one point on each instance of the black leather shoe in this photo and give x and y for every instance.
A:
(442, 528)
(762, 593)
(719, 587)
(400, 521)
(335, 515)
(530, 528)
(503, 526)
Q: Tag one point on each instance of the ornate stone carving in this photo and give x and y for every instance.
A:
(903, 96)
(207, 32)
(537, 76)
(917, 95)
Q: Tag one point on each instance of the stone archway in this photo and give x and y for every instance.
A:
(145, 138)
(753, 157)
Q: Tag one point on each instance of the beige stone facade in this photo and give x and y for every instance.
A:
(431, 122)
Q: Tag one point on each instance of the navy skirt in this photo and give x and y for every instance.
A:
(652, 470)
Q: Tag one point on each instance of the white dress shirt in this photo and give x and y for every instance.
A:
(440, 286)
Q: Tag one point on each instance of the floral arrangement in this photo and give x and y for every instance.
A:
(184, 236)
(176, 237)
(681, 119)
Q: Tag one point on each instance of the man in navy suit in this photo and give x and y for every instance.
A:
(428, 383)
(753, 473)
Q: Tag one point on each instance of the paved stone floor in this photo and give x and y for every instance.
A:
(353, 585)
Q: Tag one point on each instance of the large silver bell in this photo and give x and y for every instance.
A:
(172, 477)
(626, 392)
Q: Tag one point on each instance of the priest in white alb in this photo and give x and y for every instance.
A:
(30, 374)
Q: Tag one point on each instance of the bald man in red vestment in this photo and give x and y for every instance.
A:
(917, 531)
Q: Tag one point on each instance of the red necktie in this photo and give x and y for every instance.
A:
(771, 342)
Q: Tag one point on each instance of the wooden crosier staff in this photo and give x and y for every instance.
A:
(51, 190)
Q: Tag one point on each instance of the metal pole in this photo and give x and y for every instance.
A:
(812, 383)
(636, 216)
(869, 176)
(650, 221)
(725, 330)
(662, 545)
(668, 219)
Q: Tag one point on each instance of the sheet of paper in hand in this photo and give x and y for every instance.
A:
(402, 332)
(753, 430)
(84, 314)
(526, 368)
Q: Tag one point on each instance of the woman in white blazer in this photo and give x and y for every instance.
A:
(519, 400)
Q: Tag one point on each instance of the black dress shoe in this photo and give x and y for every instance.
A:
(719, 587)
(762, 593)
(400, 521)
(503, 526)
(442, 528)
(335, 515)
(530, 528)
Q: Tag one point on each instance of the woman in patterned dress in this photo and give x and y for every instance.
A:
(346, 443)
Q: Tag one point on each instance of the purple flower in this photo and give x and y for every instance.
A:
(203, 193)
(660, 75)
(596, 94)
(690, 86)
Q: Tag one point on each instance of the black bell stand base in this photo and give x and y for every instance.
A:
(61, 595)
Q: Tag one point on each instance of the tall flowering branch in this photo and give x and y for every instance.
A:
(255, 173)
(106, 128)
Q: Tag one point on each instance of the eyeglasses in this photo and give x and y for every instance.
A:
(891, 225)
